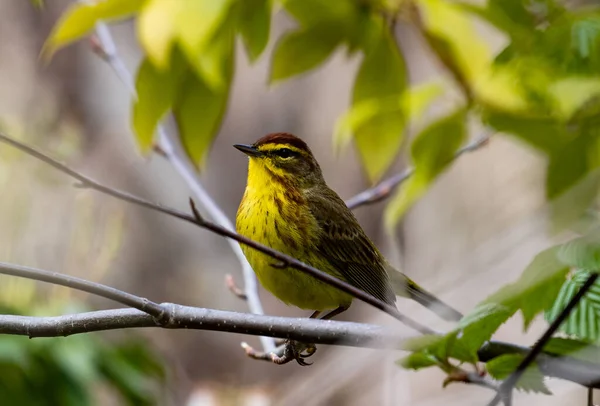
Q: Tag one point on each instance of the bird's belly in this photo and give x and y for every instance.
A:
(291, 286)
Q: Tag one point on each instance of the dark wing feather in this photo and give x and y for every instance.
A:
(347, 248)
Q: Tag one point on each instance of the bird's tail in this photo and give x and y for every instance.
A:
(404, 286)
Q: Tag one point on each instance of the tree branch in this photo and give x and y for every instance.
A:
(127, 299)
(286, 260)
(172, 151)
(184, 317)
(300, 329)
(384, 189)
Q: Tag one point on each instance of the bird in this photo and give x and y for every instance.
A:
(288, 206)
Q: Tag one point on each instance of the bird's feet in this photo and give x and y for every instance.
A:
(288, 351)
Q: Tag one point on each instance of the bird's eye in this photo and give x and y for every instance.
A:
(285, 153)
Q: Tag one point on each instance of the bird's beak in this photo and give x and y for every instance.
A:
(248, 150)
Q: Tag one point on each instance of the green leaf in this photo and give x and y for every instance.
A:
(510, 16)
(198, 111)
(156, 92)
(300, 51)
(572, 180)
(254, 25)
(432, 151)
(537, 288)
(581, 350)
(214, 62)
(81, 18)
(571, 94)
(313, 12)
(417, 361)
(382, 76)
(411, 104)
(541, 133)
(532, 379)
(584, 320)
(191, 24)
(478, 326)
(422, 342)
(197, 22)
(454, 39)
(157, 30)
(582, 252)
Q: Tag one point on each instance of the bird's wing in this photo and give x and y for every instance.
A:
(345, 245)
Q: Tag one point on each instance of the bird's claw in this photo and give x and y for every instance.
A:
(291, 350)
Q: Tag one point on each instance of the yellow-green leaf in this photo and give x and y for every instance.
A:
(455, 39)
(572, 93)
(82, 17)
(198, 111)
(197, 23)
(254, 25)
(411, 104)
(299, 51)
(213, 63)
(312, 12)
(382, 75)
(157, 29)
(156, 91)
(432, 151)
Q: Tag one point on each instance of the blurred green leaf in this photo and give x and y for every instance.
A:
(537, 288)
(313, 12)
(582, 252)
(81, 18)
(156, 92)
(578, 349)
(572, 179)
(452, 36)
(382, 76)
(417, 361)
(532, 379)
(215, 62)
(254, 25)
(584, 320)
(571, 94)
(157, 30)
(432, 151)
(412, 103)
(191, 24)
(299, 51)
(198, 111)
(510, 16)
(542, 133)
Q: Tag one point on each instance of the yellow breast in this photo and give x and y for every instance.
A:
(274, 214)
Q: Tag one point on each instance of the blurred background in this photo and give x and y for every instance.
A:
(475, 230)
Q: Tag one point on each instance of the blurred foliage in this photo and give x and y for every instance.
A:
(542, 88)
(75, 370)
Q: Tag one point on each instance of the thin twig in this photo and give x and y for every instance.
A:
(98, 289)
(217, 229)
(506, 388)
(384, 189)
(171, 150)
(234, 288)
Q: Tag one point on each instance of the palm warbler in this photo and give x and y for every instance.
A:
(288, 206)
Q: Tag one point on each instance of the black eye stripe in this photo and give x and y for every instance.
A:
(285, 153)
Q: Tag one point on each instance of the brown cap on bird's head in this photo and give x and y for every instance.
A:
(283, 138)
